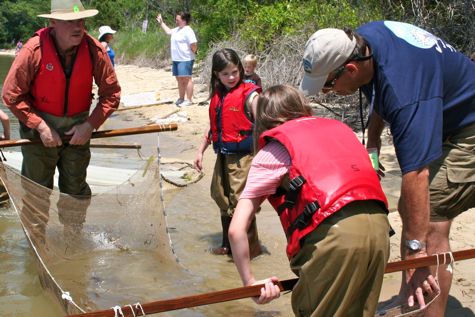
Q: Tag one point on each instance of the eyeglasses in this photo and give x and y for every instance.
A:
(329, 84)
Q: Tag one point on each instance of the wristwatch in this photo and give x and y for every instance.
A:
(414, 245)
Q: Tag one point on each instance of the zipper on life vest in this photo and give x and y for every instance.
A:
(66, 97)
(219, 122)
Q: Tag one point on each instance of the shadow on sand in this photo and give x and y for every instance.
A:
(455, 309)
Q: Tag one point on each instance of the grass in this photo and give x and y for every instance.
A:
(143, 49)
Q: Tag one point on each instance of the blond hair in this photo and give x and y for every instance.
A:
(251, 59)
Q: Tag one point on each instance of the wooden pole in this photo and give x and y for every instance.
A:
(252, 291)
(100, 134)
(116, 146)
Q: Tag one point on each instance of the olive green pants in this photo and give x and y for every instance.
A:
(229, 180)
(39, 165)
(341, 263)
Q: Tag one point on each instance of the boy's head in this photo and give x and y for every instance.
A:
(249, 62)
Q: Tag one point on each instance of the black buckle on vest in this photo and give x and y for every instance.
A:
(291, 194)
(303, 219)
(287, 204)
(296, 183)
(307, 214)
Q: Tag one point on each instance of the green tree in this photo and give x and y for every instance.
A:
(19, 20)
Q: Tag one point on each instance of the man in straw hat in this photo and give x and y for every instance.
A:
(49, 90)
(425, 89)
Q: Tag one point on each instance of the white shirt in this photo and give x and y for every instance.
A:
(180, 44)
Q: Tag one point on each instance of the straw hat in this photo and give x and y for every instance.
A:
(105, 29)
(67, 10)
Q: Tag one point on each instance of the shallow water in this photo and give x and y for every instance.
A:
(194, 225)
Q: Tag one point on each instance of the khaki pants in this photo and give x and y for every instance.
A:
(229, 180)
(341, 263)
(452, 177)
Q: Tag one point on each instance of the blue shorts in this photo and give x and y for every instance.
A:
(182, 68)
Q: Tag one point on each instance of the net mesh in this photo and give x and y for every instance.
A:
(100, 251)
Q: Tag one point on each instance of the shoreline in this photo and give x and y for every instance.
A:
(7, 52)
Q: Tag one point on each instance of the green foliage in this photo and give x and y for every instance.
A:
(257, 22)
(119, 14)
(289, 17)
(18, 19)
(269, 21)
(151, 48)
(219, 23)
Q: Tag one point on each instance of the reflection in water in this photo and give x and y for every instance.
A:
(20, 290)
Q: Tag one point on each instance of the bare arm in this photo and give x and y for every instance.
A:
(375, 128)
(163, 25)
(205, 142)
(194, 47)
(414, 204)
(254, 104)
(243, 215)
(5, 124)
(414, 208)
(240, 223)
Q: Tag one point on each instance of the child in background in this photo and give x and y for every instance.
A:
(106, 35)
(250, 64)
(18, 47)
(230, 131)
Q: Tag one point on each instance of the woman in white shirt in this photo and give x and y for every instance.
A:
(183, 50)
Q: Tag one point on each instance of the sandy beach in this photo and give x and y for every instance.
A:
(7, 52)
(136, 80)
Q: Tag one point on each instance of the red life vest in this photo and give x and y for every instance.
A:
(50, 87)
(330, 168)
(231, 127)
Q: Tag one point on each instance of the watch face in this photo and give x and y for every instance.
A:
(414, 245)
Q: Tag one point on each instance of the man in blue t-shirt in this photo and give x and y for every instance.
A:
(425, 89)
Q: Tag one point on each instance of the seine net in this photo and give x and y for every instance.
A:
(96, 252)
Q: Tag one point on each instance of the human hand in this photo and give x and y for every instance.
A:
(198, 162)
(81, 133)
(269, 292)
(48, 136)
(419, 282)
(373, 153)
(159, 18)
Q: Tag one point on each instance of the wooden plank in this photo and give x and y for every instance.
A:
(100, 134)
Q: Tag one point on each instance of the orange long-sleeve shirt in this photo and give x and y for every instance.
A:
(16, 88)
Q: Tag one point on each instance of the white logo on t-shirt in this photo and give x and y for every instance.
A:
(416, 36)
